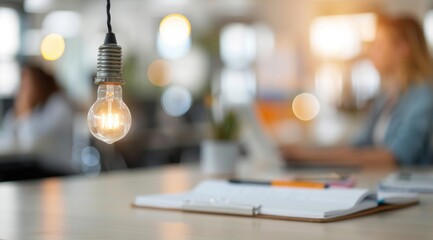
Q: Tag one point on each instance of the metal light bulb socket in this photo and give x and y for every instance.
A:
(109, 67)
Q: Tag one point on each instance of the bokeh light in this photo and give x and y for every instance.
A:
(158, 73)
(305, 106)
(174, 36)
(238, 45)
(176, 101)
(9, 78)
(175, 28)
(90, 160)
(9, 27)
(341, 37)
(37, 6)
(52, 47)
(332, 38)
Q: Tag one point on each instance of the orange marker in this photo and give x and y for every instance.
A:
(282, 183)
(299, 184)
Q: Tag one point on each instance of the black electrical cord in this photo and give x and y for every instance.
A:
(109, 16)
(110, 38)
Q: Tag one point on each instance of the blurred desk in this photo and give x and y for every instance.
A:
(99, 208)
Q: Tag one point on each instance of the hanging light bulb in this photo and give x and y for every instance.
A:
(109, 118)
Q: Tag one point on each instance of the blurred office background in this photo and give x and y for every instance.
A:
(296, 70)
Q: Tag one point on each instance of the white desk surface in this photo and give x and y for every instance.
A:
(99, 208)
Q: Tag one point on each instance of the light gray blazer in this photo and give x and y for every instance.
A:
(409, 135)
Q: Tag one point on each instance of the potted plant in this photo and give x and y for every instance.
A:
(219, 154)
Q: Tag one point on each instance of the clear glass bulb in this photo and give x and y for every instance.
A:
(109, 118)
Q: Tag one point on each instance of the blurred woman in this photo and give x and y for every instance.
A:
(400, 123)
(40, 123)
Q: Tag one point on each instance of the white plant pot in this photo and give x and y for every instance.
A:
(219, 157)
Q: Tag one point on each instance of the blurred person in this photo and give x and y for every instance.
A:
(399, 125)
(40, 123)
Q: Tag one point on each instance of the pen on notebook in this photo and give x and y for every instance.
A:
(321, 177)
(281, 183)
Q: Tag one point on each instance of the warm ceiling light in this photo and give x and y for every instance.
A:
(109, 118)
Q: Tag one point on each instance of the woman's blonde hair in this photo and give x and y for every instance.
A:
(409, 30)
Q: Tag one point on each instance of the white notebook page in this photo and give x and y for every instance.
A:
(287, 202)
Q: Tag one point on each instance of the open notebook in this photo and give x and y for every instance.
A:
(321, 205)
